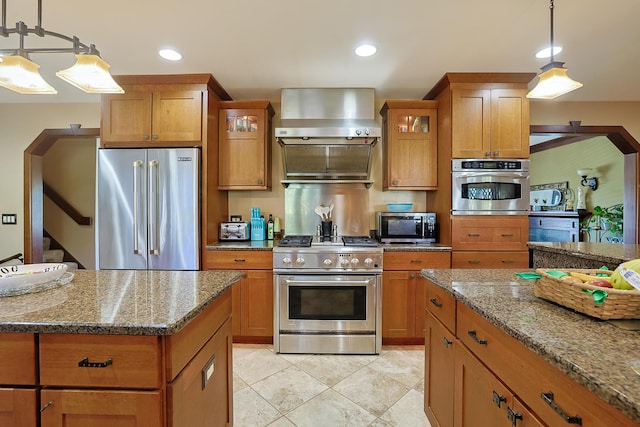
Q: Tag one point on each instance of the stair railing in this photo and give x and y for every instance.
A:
(66, 207)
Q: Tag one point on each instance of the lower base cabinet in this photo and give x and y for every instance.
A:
(101, 408)
(481, 396)
(18, 407)
(438, 370)
(184, 379)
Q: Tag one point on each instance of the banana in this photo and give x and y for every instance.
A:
(587, 277)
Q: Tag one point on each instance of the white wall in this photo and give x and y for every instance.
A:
(20, 125)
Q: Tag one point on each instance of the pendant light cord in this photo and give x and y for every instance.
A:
(552, 47)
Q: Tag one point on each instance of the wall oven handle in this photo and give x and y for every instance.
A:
(477, 174)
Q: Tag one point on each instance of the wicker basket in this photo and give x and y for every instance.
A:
(619, 304)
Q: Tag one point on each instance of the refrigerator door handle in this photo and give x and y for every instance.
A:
(153, 208)
(137, 169)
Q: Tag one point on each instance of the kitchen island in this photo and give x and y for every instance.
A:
(148, 348)
(581, 254)
(535, 347)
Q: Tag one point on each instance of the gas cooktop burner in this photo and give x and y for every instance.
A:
(359, 241)
(294, 241)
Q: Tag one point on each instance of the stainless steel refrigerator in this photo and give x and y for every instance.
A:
(148, 208)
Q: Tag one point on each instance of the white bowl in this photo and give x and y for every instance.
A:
(26, 275)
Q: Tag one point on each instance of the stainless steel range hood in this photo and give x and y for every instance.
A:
(327, 134)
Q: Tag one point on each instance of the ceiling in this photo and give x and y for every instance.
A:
(256, 47)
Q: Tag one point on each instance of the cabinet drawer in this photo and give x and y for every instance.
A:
(442, 305)
(135, 361)
(471, 259)
(18, 359)
(416, 260)
(490, 233)
(239, 260)
(529, 376)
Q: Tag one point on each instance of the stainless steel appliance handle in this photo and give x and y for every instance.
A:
(327, 282)
(468, 174)
(153, 208)
(137, 170)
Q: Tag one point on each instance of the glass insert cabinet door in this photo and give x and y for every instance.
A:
(241, 123)
(412, 123)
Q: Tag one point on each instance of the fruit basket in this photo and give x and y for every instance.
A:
(614, 304)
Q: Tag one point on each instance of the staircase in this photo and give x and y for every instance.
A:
(55, 255)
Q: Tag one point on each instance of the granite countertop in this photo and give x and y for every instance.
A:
(599, 251)
(598, 354)
(127, 302)
(268, 245)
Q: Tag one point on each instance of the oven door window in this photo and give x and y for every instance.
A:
(491, 191)
(328, 302)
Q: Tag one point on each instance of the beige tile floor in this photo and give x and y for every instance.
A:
(285, 390)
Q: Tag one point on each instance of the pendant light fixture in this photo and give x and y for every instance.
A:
(554, 80)
(19, 74)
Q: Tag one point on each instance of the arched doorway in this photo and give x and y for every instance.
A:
(566, 134)
(34, 186)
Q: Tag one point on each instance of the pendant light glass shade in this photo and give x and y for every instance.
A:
(91, 75)
(20, 75)
(554, 82)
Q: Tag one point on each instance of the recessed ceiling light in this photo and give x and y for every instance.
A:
(170, 54)
(546, 52)
(365, 50)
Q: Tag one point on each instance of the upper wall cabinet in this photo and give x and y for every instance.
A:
(410, 145)
(162, 112)
(245, 145)
(487, 114)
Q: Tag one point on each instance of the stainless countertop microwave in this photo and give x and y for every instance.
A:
(406, 227)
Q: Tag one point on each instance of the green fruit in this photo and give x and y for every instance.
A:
(619, 282)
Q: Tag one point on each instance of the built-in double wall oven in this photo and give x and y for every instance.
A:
(490, 186)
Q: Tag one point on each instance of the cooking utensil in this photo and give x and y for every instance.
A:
(318, 211)
(330, 211)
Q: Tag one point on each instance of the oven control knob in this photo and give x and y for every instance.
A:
(327, 262)
(286, 261)
(300, 261)
(368, 262)
(355, 261)
(344, 263)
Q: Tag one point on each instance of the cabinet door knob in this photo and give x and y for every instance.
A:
(498, 398)
(513, 416)
(412, 276)
(145, 136)
(495, 154)
(259, 182)
(394, 182)
(447, 342)
(154, 136)
(487, 153)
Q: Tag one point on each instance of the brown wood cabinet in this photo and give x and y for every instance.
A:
(404, 294)
(172, 111)
(410, 145)
(252, 295)
(245, 145)
(151, 115)
(489, 122)
(481, 396)
(489, 241)
(495, 378)
(104, 380)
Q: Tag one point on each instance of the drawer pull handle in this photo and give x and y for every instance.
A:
(473, 335)
(447, 342)
(474, 261)
(508, 261)
(239, 260)
(416, 261)
(498, 398)
(513, 416)
(435, 302)
(507, 235)
(84, 363)
(473, 234)
(49, 403)
(548, 398)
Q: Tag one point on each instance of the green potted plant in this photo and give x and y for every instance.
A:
(608, 219)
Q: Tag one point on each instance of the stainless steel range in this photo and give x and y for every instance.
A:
(327, 295)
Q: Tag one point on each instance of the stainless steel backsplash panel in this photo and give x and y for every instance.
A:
(350, 212)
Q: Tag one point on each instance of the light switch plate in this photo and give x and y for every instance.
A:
(11, 219)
